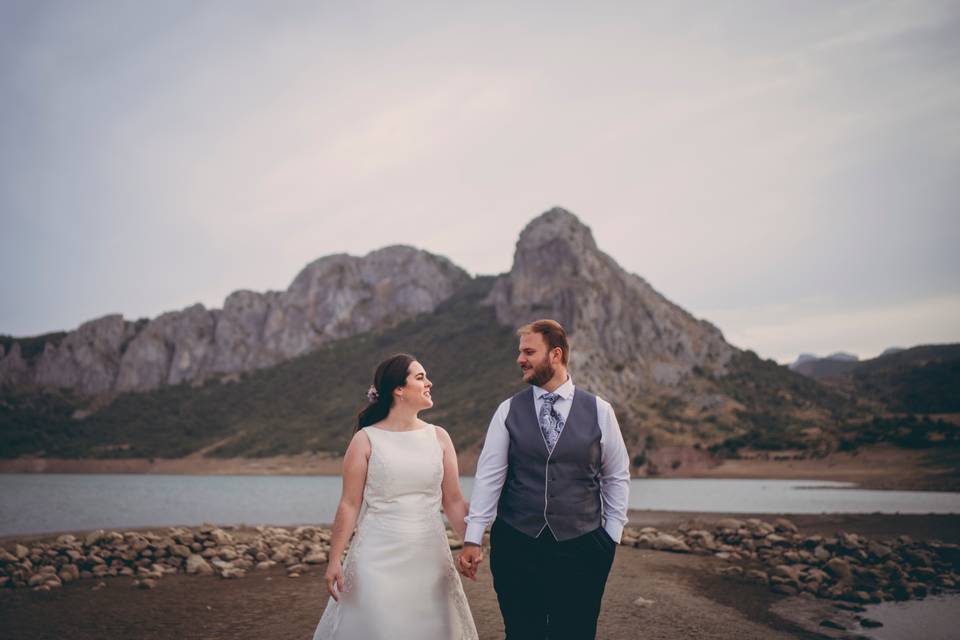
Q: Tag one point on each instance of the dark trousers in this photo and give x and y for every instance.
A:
(549, 589)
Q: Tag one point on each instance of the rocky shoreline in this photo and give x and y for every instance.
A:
(678, 575)
(147, 556)
(845, 566)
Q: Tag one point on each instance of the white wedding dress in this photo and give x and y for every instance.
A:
(399, 577)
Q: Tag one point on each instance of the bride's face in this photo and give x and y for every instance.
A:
(416, 391)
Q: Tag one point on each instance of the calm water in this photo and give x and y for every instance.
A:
(41, 503)
(933, 618)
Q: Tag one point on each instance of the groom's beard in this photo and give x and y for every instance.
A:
(541, 374)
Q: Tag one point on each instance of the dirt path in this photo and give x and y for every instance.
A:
(689, 601)
(689, 598)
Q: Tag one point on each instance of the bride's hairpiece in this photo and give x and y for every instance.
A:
(372, 394)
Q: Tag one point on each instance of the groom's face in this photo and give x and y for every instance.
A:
(534, 359)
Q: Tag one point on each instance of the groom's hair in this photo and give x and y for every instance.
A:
(553, 334)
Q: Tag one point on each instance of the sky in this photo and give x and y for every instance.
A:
(789, 171)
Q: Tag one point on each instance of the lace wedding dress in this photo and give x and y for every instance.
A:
(399, 577)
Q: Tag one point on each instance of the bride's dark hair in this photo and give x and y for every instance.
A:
(390, 374)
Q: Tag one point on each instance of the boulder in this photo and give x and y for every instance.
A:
(666, 542)
(729, 524)
(196, 564)
(840, 570)
(782, 524)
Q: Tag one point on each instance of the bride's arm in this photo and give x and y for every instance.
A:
(354, 479)
(453, 503)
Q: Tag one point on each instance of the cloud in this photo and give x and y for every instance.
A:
(738, 156)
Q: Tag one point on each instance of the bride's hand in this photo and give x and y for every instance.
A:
(335, 575)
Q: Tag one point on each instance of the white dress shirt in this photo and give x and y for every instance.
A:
(492, 465)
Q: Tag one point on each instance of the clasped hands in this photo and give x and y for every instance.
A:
(469, 561)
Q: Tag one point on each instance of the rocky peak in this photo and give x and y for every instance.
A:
(556, 226)
(333, 297)
(626, 338)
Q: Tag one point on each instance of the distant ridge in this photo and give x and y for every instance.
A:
(280, 373)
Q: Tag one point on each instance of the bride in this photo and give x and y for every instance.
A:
(398, 580)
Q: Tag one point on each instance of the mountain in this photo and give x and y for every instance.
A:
(332, 298)
(834, 365)
(627, 339)
(922, 379)
(285, 372)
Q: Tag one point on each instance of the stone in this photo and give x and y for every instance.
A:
(643, 602)
(846, 606)
(197, 564)
(791, 572)
(869, 623)
(832, 624)
(147, 583)
(878, 550)
(69, 573)
(840, 569)
(181, 550)
(782, 524)
(228, 553)
(731, 524)
(221, 538)
(666, 542)
(315, 557)
(784, 589)
(816, 575)
(36, 579)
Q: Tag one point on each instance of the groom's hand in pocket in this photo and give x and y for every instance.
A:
(469, 561)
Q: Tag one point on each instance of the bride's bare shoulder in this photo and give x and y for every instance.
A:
(360, 442)
(442, 434)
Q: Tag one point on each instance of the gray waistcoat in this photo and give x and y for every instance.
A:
(560, 490)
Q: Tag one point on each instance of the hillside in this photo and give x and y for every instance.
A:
(310, 403)
(923, 379)
(674, 381)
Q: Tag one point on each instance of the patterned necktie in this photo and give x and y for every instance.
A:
(551, 424)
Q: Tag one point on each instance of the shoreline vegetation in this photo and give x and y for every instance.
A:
(678, 575)
(879, 467)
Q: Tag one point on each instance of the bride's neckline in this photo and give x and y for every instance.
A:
(426, 425)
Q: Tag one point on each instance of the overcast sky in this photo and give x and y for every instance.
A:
(786, 170)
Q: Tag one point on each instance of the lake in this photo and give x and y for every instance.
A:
(42, 503)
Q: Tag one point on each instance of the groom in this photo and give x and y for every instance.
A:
(555, 473)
